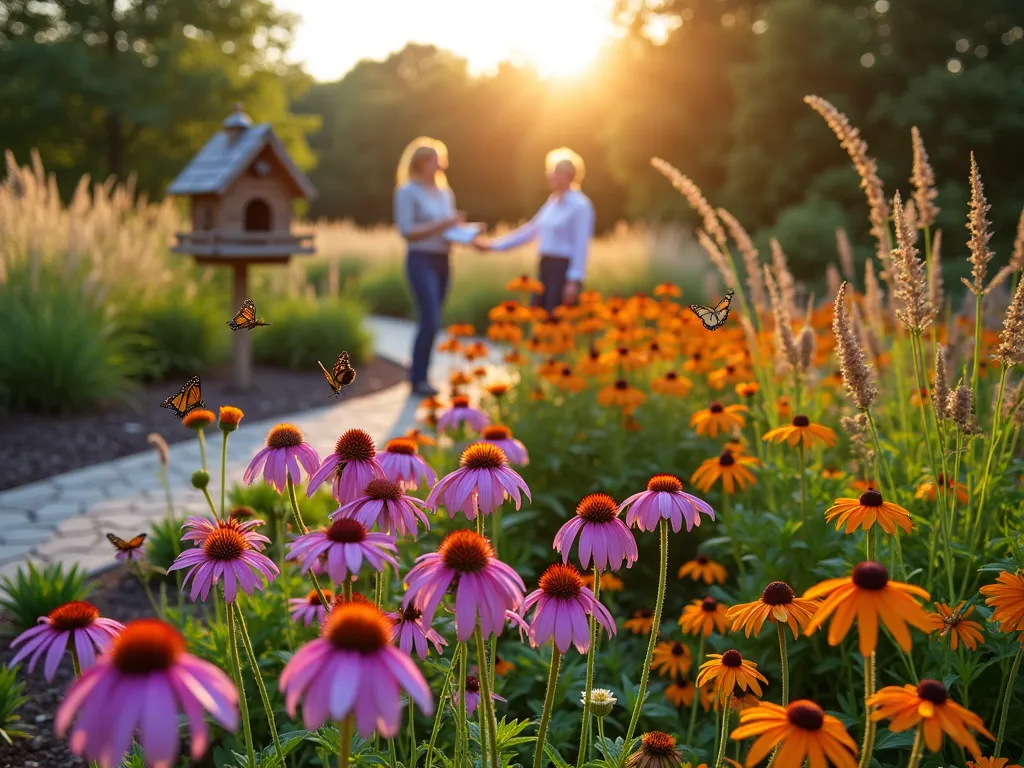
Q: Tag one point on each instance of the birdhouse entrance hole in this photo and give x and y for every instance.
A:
(257, 216)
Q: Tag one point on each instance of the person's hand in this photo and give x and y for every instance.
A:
(481, 243)
(459, 217)
(571, 293)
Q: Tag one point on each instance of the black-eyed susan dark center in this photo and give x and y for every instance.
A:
(933, 691)
(726, 459)
(355, 445)
(345, 530)
(358, 627)
(561, 581)
(483, 456)
(777, 593)
(74, 615)
(497, 432)
(401, 445)
(715, 407)
(147, 645)
(671, 376)
(870, 575)
(805, 715)
(465, 551)
(709, 605)
(678, 649)
(871, 498)
(801, 421)
(225, 543)
(732, 659)
(664, 484)
(284, 436)
(702, 560)
(643, 613)
(622, 385)
(597, 508)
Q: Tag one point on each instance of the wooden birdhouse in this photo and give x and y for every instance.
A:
(241, 188)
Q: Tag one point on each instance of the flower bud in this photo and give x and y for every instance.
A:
(200, 479)
(602, 702)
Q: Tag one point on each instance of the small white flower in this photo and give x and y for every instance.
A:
(602, 701)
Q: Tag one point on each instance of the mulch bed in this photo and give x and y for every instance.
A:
(34, 447)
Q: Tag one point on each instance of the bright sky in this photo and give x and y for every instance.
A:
(559, 37)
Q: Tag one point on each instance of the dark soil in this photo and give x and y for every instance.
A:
(33, 447)
(118, 595)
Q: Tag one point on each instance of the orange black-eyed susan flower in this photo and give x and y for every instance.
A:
(502, 666)
(804, 732)
(920, 396)
(672, 385)
(701, 617)
(621, 394)
(667, 290)
(550, 369)
(991, 762)
(475, 351)
(609, 581)
(420, 438)
(461, 330)
(497, 389)
(671, 658)
(783, 407)
(656, 750)
(863, 484)
(777, 604)
(832, 473)
(515, 357)
(730, 671)
(736, 445)
(451, 345)
(730, 468)
(537, 394)
(525, 284)
(720, 378)
(747, 389)
(1006, 596)
(509, 312)
(704, 569)
(718, 418)
(802, 431)
(928, 704)
(626, 358)
(459, 379)
(868, 510)
(869, 596)
(738, 704)
(698, 363)
(681, 691)
(953, 623)
(941, 485)
(568, 381)
(640, 622)
(510, 333)
(592, 364)
(589, 298)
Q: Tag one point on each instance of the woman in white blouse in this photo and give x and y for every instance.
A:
(563, 226)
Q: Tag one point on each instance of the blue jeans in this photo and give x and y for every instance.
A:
(428, 277)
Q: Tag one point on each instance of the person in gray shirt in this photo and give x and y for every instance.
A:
(424, 209)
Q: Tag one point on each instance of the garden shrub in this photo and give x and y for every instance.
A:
(185, 336)
(304, 331)
(385, 291)
(34, 592)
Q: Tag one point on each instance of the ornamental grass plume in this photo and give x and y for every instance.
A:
(910, 287)
(858, 377)
(755, 280)
(874, 296)
(785, 344)
(936, 289)
(1016, 257)
(783, 277)
(1010, 351)
(923, 179)
(940, 386)
(694, 197)
(832, 279)
(715, 254)
(845, 251)
(865, 165)
(961, 410)
(978, 226)
(76, 625)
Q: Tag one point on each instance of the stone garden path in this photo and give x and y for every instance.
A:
(65, 518)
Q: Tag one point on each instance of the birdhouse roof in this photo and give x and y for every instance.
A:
(223, 160)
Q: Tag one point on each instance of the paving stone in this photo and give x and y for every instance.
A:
(76, 526)
(12, 552)
(56, 511)
(28, 535)
(88, 477)
(57, 549)
(111, 507)
(91, 562)
(29, 496)
(90, 495)
(13, 518)
(123, 524)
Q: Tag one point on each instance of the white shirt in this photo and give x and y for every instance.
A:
(563, 225)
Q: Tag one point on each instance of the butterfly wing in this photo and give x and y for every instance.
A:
(343, 371)
(724, 304)
(333, 382)
(189, 398)
(126, 546)
(245, 318)
(707, 315)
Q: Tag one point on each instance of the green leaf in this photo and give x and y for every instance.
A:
(554, 757)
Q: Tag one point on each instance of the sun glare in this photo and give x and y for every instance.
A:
(562, 41)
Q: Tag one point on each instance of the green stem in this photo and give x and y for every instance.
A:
(585, 724)
(297, 513)
(442, 699)
(412, 733)
(223, 473)
(784, 656)
(655, 626)
(260, 685)
(803, 489)
(549, 697)
(345, 742)
(209, 500)
(1007, 698)
(75, 663)
(696, 694)
(346, 590)
(917, 751)
(145, 585)
(243, 705)
(977, 345)
(994, 437)
(600, 730)
(461, 729)
(488, 722)
(733, 539)
(202, 446)
(726, 712)
(868, 747)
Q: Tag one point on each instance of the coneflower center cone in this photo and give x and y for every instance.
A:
(284, 436)
(483, 456)
(147, 645)
(933, 691)
(870, 575)
(801, 421)
(465, 551)
(598, 508)
(658, 743)
(732, 659)
(665, 484)
(382, 490)
(312, 598)
(355, 445)
(225, 543)
(472, 684)
(501, 432)
(805, 715)
(561, 581)
(357, 627)
(74, 615)
(715, 407)
(460, 401)
(411, 613)
(871, 498)
(344, 530)
(777, 593)
(401, 445)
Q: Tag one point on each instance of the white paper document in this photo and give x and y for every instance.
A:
(463, 233)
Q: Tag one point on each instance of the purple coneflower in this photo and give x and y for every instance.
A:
(144, 682)
(352, 465)
(665, 499)
(227, 553)
(354, 670)
(461, 412)
(409, 631)
(472, 695)
(77, 624)
(310, 608)
(485, 586)
(200, 528)
(501, 436)
(563, 605)
(480, 484)
(403, 464)
(286, 451)
(346, 544)
(383, 504)
(602, 534)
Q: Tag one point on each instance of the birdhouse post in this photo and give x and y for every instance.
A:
(241, 187)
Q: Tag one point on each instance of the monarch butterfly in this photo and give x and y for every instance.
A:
(341, 375)
(713, 319)
(126, 546)
(189, 398)
(246, 317)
